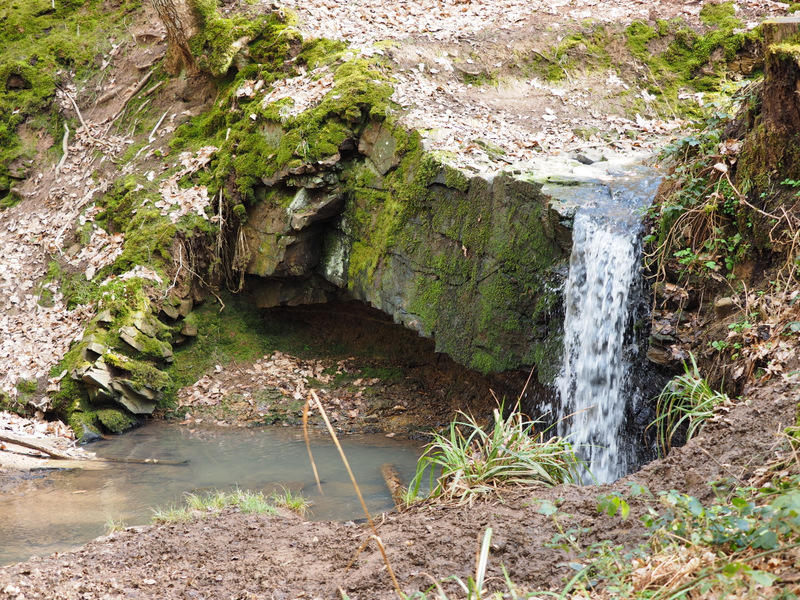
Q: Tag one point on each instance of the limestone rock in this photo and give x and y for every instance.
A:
(132, 398)
(379, 144)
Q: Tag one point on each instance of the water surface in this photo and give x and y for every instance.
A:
(68, 508)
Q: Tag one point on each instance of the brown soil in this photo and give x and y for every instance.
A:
(236, 555)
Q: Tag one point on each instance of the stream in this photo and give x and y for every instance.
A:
(64, 509)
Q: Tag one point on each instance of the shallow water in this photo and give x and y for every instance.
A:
(68, 508)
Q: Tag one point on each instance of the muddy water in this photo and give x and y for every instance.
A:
(65, 509)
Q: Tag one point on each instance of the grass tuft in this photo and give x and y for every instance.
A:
(201, 505)
(294, 501)
(474, 461)
(684, 405)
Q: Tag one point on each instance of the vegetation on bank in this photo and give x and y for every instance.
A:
(201, 506)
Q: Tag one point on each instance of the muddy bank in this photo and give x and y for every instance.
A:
(234, 555)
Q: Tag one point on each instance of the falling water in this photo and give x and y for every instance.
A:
(595, 382)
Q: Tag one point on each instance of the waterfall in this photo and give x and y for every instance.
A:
(595, 383)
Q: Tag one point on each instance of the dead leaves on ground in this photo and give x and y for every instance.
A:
(271, 385)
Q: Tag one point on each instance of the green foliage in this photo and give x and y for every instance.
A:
(199, 506)
(684, 405)
(703, 222)
(473, 461)
(749, 519)
(45, 45)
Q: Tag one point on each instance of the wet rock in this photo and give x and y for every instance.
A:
(89, 435)
(589, 157)
(723, 307)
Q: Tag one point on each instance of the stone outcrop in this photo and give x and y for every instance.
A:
(472, 260)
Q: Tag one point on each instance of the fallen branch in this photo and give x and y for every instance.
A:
(65, 147)
(392, 478)
(41, 446)
(34, 444)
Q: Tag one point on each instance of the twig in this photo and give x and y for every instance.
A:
(80, 116)
(152, 137)
(152, 89)
(133, 92)
(178, 272)
(65, 147)
(308, 447)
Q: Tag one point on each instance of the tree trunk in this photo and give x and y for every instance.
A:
(781, 104)
(181, 20)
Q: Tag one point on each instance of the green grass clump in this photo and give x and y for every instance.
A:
(199, 506)
(294, 501)
(172, 514)
(473, 461)
(684, 405)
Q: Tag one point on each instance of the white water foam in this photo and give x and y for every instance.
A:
(594, 377)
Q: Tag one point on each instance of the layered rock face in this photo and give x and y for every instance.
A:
(468, 260)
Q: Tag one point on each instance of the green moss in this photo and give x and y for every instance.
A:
(720, 15)
(80, 421)
(785, 50)
(321, 52)
(214, 47)
(692, 60)
(142, 374)
(115, 420)
(638, 35)
(43, 46)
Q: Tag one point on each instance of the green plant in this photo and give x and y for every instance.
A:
(684, 405)
(719, 345)
(745, 521)
(294, 501)
(172, 514)
(473, 461)
(113, 525)
(200, 505)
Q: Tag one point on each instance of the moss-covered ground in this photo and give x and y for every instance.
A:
(46, 46)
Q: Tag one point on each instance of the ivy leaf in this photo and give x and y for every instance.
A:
(762, 578)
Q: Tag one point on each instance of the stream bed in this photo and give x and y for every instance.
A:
(59, 510)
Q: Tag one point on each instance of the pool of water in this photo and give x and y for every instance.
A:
(64, 509)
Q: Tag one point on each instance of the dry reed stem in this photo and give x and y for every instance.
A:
(308, 447)
(344, 458)
(358, 493)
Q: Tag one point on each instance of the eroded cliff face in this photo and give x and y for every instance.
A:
(469, 261)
